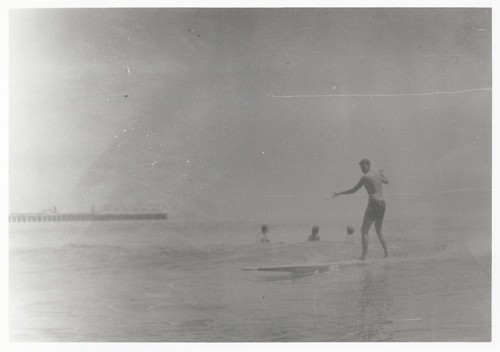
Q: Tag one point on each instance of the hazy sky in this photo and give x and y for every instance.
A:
(252, 114)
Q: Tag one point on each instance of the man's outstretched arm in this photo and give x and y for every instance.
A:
(350, 191)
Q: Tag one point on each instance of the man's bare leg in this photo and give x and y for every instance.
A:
(378, 229)
(364, 244)
(364, 237)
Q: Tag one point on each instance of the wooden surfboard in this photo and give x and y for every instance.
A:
(299, 269)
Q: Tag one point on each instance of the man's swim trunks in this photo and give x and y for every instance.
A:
(375, 210)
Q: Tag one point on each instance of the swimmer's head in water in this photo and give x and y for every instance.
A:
(365, 165)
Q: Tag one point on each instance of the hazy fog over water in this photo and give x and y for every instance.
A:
(254, 114)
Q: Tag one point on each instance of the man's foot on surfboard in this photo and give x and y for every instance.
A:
(385, 256)
(362, 258)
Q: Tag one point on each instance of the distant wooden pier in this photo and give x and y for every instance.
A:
(84, 217)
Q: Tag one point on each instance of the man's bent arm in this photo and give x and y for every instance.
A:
(381, 173)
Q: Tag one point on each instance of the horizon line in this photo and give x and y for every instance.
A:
(381, 95)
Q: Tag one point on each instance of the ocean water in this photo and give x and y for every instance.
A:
(162, 281)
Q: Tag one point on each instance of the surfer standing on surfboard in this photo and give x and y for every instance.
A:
(376, 205)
